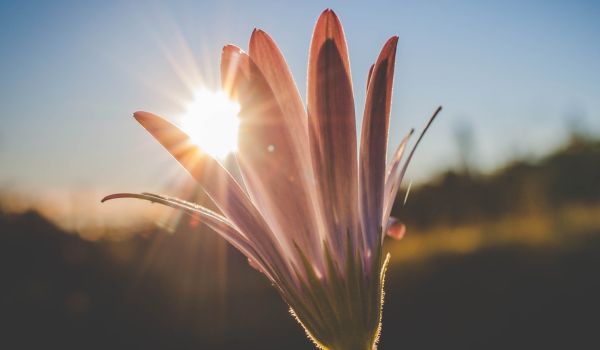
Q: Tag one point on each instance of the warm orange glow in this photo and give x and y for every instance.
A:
(211, 120)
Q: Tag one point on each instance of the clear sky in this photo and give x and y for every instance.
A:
(518, 73)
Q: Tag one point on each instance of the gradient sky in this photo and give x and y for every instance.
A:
(518, 73)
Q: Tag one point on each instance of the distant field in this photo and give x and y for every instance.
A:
(541, 229)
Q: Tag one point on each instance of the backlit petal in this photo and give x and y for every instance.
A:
(373, 148)
(272, 164)
(395, 229)
(393, 178)
(369, 76)
(267, 56)
(396, 173)
(332, 130)
(265, 53)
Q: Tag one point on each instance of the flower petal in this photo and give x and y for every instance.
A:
(216, 222)
(395, 229)
(395, 173)
(233, 62)
(392, 180)
(332, 129)
(267, 56)
(373, 148)
(369, 76)
(272, 164)
(265, 53)
(223, 190)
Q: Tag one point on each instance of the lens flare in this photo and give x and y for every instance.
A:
(211, 120)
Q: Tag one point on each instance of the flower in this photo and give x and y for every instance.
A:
(307, 212)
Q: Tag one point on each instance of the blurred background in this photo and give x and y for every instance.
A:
(502, 200)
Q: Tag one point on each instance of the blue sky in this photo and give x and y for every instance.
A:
(517, 72)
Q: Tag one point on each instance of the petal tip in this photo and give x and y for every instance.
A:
(389, 48)
(139, 114)
(329, 17)
(328, 14)
(257, 33)
(232, 48)
(110, 196)
(144, 118)
(258, 36)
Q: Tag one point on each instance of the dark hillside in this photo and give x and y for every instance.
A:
(571, 175)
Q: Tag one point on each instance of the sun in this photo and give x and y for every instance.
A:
(211, 120)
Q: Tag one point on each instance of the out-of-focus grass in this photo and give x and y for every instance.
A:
(534, 203)
(533, 229)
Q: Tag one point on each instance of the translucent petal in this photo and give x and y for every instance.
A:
(332, 130)
(373, 148)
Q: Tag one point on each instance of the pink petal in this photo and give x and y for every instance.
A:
(393, 178)
(267, 56)
(373, 148)
(273, 164)
(265, 53)
(218, 223)
(396, 229)
(395, 173)
(234, 68)
(332, 129)
(369, 76)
